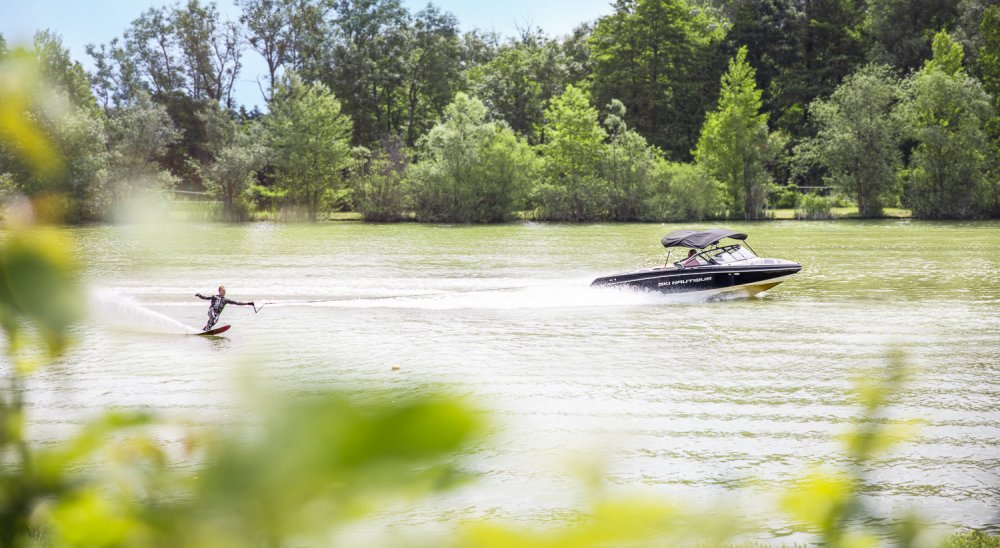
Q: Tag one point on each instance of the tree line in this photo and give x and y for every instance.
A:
(661, 110)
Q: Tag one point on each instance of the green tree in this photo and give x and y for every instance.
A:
(307, 35)
(210, 51)
(683, 192)
(139, 135)
(394, 71)
(899, 31)
(241, 151)
(115, 80)
(576, 55)
(61, 71)
(433, 66)
(187, 59)
(267, 27)
(518, 83)
(735, 143)
(309, 137)
(660, 58)
(68, 124)
(141, 131)
(801, 50)
(150, 44)
(628, 164)
(479, 47)
(945, 178)
(989, 54)
(378, 181)
(989, 73)
(572, 187)
(859, 138)
(769, 29)
(363, 62)
(182, 48)
(473, 170)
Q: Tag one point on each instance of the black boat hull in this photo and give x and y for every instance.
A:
(732, 280)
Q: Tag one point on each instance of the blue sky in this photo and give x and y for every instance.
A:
(80, 22)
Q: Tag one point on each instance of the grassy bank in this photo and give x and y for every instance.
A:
(846, 213)
(203, 211)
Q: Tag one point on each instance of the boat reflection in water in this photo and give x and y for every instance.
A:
(711, 270)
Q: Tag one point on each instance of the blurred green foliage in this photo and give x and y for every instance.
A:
(304, 464)
(21, 90)
(298, 472)
(827, 500)
(38, 288)
(308, 463)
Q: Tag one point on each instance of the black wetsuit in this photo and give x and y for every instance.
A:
(215, 308)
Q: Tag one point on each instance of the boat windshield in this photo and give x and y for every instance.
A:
(727, 254)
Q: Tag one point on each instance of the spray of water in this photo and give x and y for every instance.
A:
(551, 294)
(114, 309)
(121, 312)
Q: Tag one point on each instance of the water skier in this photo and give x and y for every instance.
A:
(218, 303)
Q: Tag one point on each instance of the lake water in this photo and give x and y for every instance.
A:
(689, 401)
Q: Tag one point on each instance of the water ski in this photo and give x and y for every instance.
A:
(215, 331)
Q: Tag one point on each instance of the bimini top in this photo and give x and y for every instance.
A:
(700, 239)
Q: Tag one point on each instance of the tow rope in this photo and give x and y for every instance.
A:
(256, 308)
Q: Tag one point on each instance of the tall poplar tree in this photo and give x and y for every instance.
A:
(735, 143)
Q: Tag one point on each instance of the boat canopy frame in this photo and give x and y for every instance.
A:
(700, 239)
(705, 241)
(710, 256)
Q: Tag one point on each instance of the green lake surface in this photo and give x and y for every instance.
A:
(693, 402)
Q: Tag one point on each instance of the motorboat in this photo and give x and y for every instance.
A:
(710, 269)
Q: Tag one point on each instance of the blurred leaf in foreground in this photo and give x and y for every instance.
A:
(298, 473)
(21, 94)
(827, 500)
(632, 522)
(39, 287)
